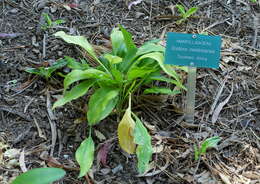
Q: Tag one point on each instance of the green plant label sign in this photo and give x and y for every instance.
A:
(193, 50)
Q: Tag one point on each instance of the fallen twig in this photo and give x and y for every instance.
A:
(53, 135)
(9, 110)
(10, 35)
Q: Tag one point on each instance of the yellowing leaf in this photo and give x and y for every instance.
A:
(125, 132)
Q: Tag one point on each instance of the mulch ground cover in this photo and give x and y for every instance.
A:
(227, 98)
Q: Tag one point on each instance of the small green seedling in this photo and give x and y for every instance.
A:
(185, 14)
(208, 143)
(46, 72)
(40, 176)
(49, 23)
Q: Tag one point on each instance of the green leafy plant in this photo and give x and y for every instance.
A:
(50, 23)
(46, 72)
(40, 176)
(208, 143)
(185, 14)
(113, 77)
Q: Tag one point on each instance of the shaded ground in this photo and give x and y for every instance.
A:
(45, 138)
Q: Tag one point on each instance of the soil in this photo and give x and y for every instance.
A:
(36, 136)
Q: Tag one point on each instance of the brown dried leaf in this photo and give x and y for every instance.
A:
(102, 153)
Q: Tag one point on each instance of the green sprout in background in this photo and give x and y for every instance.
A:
(185, 14)
(208, 143)
(46, 72)
(50, 23)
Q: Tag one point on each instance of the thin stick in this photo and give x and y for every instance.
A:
(190, 103)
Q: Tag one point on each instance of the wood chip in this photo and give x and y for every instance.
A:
(22, 162)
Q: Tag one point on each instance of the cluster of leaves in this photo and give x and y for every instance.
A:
(50, 23)
(115, 76)
(46, 72)
(118, 74)
(185, 14)
(208, 143)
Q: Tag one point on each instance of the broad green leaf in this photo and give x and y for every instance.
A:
(141, 135)
(181, 9)
(127, 60)
(109, 83)
(40, 176)
(131, 51)
(113, 59)
(101, 104)
(81, 41)
(127, 39)
(144, 149)
(73, 64)
(151, 47)
(157, 56)
(77, 40)
(85, 155)
(76, 92)
(125, 132)
(157, 90)
(77, 75)
(209, 143)
(136, 72)
(118, 76)
(144, 154)
(118, 44)
(190, 12)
